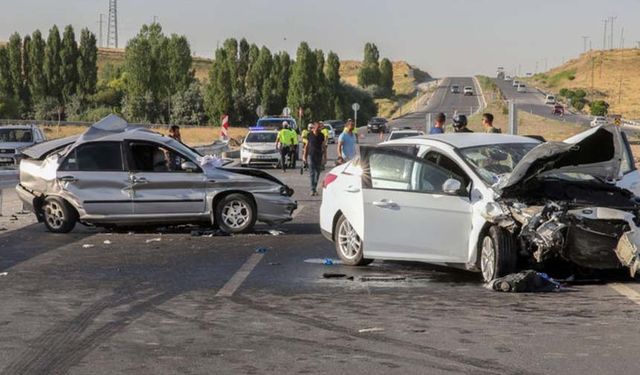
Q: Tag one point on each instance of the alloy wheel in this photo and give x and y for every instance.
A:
(349, 241)
(236, 214)
(488, 259)
(54, 215)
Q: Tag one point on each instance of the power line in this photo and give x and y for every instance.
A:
(604, 35)
(611, 19)
(112, 24)
(100, 23)
(584, 42)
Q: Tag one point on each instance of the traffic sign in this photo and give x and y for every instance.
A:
(260, 111)
(355, 107)
(286, 111)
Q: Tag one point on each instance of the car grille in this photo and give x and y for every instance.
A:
(262, 152)
(7, 151)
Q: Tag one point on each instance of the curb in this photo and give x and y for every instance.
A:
(483, 104)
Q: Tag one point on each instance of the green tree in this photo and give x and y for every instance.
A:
(369, 73)
(301, 83)
(9, 107)
(243, 62)
(321, 95)
(180, 61)
(386, 77)
(25, 96)
(52, 65)
(14, 54)
(36, 80)
(332, 73)
(69, 61)
(187, 106)
(231, 47)
(599, 108)
(218, 94)
(87, 64)
(6, 86)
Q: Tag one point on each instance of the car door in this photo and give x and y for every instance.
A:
(94, 176)
(407, 215)
(160, 185)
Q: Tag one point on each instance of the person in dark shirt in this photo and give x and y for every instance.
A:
(313, 154)
(460, 124)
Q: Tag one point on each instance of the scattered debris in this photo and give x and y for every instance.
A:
(4, 273)
(528, 281)
(327, 262)
(275, 232)
(322, 261)
(328, 275)
(275, 263)
(107, 242)
(372, 329)
(13, 218)
(157, 239)
(87, 246)
(419, 330)
(208, 233)
(2, 229)
(381, 278)
(262, 250)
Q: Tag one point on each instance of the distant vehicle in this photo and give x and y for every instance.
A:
(599, 120)
(558, 110)
(259, 148)
(500, 73)
(116, 174)
(332, 133)
(455, 89)
(14, 138)
(550, 99)
(507, 78)
(337, 125)
(521, 88)
(529, 74)
(397, 134)
(468, 91)
(515, 83)
(377, 125)
(276, 123)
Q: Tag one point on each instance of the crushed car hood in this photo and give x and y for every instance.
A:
(596, 152)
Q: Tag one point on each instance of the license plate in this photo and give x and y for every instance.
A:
(261, 157)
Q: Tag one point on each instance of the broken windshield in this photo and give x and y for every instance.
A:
(492, 161)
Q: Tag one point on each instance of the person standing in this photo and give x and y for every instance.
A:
(438, 127)
(460, 124)
(487, 122)
(313, 154)
(293, 136)
(347, 142)
(174, 132)
(325, 132)
(284, 144)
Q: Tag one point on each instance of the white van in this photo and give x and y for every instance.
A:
(522, 87)
(550, 99)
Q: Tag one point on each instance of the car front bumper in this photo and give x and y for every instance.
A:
(275, 209)
(250, 158)
(26, 196)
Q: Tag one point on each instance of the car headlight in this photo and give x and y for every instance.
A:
(493, 211)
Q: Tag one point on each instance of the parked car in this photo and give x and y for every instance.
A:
(558, 110)
(599, 120)
(468, 90)
(521, 88)
(507, 78)
(377, 125)
(15, 138)
(455, 89)
(259, 148)
(114, 174)
(488, 202)
(515, 83)
(337, 125)
(332, 133)
(550, 99)
(398, 134)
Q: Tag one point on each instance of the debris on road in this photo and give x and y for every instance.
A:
(262, 250)
(87, 246)
(208, 233)
(275, 263)
(372, 329)
(322, 261)
(107, 242)
(13, 218)
(327, 262)
(275, 232)
(528, 281)
(4, 273)
(157, 239)
(329, 275)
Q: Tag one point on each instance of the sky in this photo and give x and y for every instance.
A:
(444, 37)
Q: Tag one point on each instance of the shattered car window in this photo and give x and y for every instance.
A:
(492, 161)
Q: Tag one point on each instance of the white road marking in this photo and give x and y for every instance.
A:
(238, 278)
(627, 292)
(297, 212)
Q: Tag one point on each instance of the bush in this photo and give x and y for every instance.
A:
(9, 107)
(578, 103)
(580, 93)
(599, 108)
(47, 109)
(96, 114)
(565, 93)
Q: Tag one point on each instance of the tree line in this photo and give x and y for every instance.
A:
(58, 78)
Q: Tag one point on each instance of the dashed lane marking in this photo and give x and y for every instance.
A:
(627, 292)
(240, 276)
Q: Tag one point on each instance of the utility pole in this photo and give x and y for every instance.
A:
(622, 38)
(100, 22)
(584, 42)
(604, 36)
(612, 18)
(112, 24)
(155, 19)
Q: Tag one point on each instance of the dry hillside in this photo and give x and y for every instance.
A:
(604, 75)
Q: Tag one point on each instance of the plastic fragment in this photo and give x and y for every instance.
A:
(87, 246)
(372, 329)
(157, 239)
(261, 250)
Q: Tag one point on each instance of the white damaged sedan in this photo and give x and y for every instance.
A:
(488, 202)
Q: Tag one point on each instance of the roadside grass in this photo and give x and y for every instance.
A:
(613, 76)
(192, 136)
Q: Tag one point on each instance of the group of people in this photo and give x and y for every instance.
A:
(460, 124)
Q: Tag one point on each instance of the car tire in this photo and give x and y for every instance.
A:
(236, 213)
(59, 216)
(498, 254)
(349, 246)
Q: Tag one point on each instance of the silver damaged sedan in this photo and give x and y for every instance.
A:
(118, 175)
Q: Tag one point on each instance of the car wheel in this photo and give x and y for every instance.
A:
(498, 255)
(59, 216)
(349, 244)
(235, 213)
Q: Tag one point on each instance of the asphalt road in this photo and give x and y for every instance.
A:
(162, 301)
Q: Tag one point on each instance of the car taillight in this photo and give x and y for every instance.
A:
(328, 179)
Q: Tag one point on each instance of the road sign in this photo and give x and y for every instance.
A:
(617, 121)
(355, 107)
(260, 111)
(286, 111)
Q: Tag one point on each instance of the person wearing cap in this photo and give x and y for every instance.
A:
(284, 143)
(460, 124)
(438, 127)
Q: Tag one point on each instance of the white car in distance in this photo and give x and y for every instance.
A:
(486, 202)
(550, 99)
(404, 133)
(599, 120)
(521, 88)
(259, 148)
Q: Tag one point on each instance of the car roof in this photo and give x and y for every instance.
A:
(407, 131)
(464, 140)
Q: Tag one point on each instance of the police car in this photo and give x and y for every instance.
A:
(259, 147)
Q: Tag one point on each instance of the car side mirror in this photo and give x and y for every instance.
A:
(188, 166)
(451, 186)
